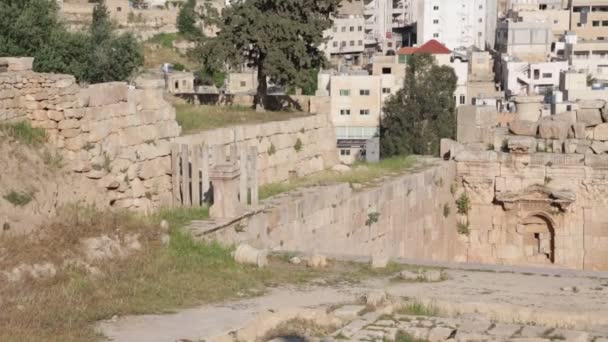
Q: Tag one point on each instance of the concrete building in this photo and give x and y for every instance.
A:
(523, 78)
(589, 19)
(385, 21)
(524, 40)
(242, 83)
(456, 23)
(550, 13)
(345, 40)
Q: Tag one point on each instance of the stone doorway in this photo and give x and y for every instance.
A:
(539, 240)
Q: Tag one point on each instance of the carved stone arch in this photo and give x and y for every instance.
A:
(538, 231)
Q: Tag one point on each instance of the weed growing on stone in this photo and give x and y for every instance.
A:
(372, 218)
(18, 199)
(463, 204)
(24, 133)
(418, 309)
(446, 210)
(298, 145)
(53, 161)
(271, 150)
(463, 228)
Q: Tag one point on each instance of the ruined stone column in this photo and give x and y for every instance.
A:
(225, 180)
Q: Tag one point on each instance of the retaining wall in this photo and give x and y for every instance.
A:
(295, 147)
(339, 220)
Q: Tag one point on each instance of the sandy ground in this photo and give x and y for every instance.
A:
(564, 297)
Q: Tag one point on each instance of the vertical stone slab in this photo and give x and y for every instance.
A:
(244, 174)
(175, 175)
(205, 169)
(185, 176)
(196, 183)
(253, 172)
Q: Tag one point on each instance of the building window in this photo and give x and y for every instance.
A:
(243, 84)
(435, 21)
(335, 44)
(364, 92)
(435, 35)
(386, 71)
(343, 29)
(364, 112)
(596, 23)
(542, 6)
(352, 43)
(389, 44)
(360, 28)
(604, 22)
(176, 84)
(342, 44)
(344, 92)
(352, 29)
(435, 8)
(462, 99)
(344, 111)
(547, 75)
(386, 90)
(536, 74)
(335, 29)
(345, 152)
(360, 42)
(480, 20)
(479, 34)
(118, 9)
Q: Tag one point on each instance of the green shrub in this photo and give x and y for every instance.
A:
(463, 204)
(271, 150)
(463, 228)
(18, 199)
(24, 133)
(298, 146)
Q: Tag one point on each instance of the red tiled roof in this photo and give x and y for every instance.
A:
(432, 47)
(406, 50)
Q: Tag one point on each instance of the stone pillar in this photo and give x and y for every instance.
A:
(225, 180)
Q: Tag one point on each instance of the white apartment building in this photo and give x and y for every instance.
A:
(457, 23)
(524, 78)
(383, 20)
(345, 40)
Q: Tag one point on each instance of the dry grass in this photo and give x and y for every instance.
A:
(156, 279)
(199, 118)
(299, 328)
(159, 50)
(363, 174)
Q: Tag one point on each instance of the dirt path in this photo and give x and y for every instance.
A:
(573, 299)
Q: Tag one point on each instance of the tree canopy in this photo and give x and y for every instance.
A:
(32, 28)
(422, 112)
(187, 18)
(279, 38)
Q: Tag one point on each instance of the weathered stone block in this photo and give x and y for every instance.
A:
(596, 160)
(590, 117)
(569, 117)
(599, 147)
(522, 127)
(557, 130)
(71, 123)
(578, 131)
(600, 132)
(591, 104)
(521, 144)
(106, 93)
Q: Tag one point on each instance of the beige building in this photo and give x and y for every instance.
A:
(557, 18)
(589, 19)
(179, 82)
(528, 41)
(345, 40)
(241, 83)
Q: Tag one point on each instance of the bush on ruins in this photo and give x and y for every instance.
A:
(32, 28)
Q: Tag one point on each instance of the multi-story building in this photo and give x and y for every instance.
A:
(524, 78)
(385, 21)
(345, 40)
(549, 12)
(589, 19)
(527, 41)
(456, 23)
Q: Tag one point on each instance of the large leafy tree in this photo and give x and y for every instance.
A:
(187, 18)
(279, 38)
(422, 112)
(31, 28)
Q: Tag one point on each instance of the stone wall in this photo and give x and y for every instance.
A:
(513, 195)
(110, 132)
(339, 220)
(279, 156)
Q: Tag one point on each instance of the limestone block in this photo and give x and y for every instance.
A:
(18, 63)
(480, 156)
(583, 147)
(478, 169)
(591, 104)
(74, 113)
(66, 82)
(600, 132)
(55, 115)
(75, 144)
(570, 145)
(557, 130)
(578, 130)
(106, 93)
(70, 123)
(154, 168)
(70, 132)
(521, 144)
(558, 146)
(589, 133)
(523, 127)
(569, 117)
(589, 117)
(508, 252)
(599, 147)
(596, 160)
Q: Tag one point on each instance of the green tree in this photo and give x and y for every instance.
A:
(422, 112)
(186, 20)
(280, 38)
(31, 28)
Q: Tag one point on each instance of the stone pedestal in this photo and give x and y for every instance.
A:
(225, 180)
